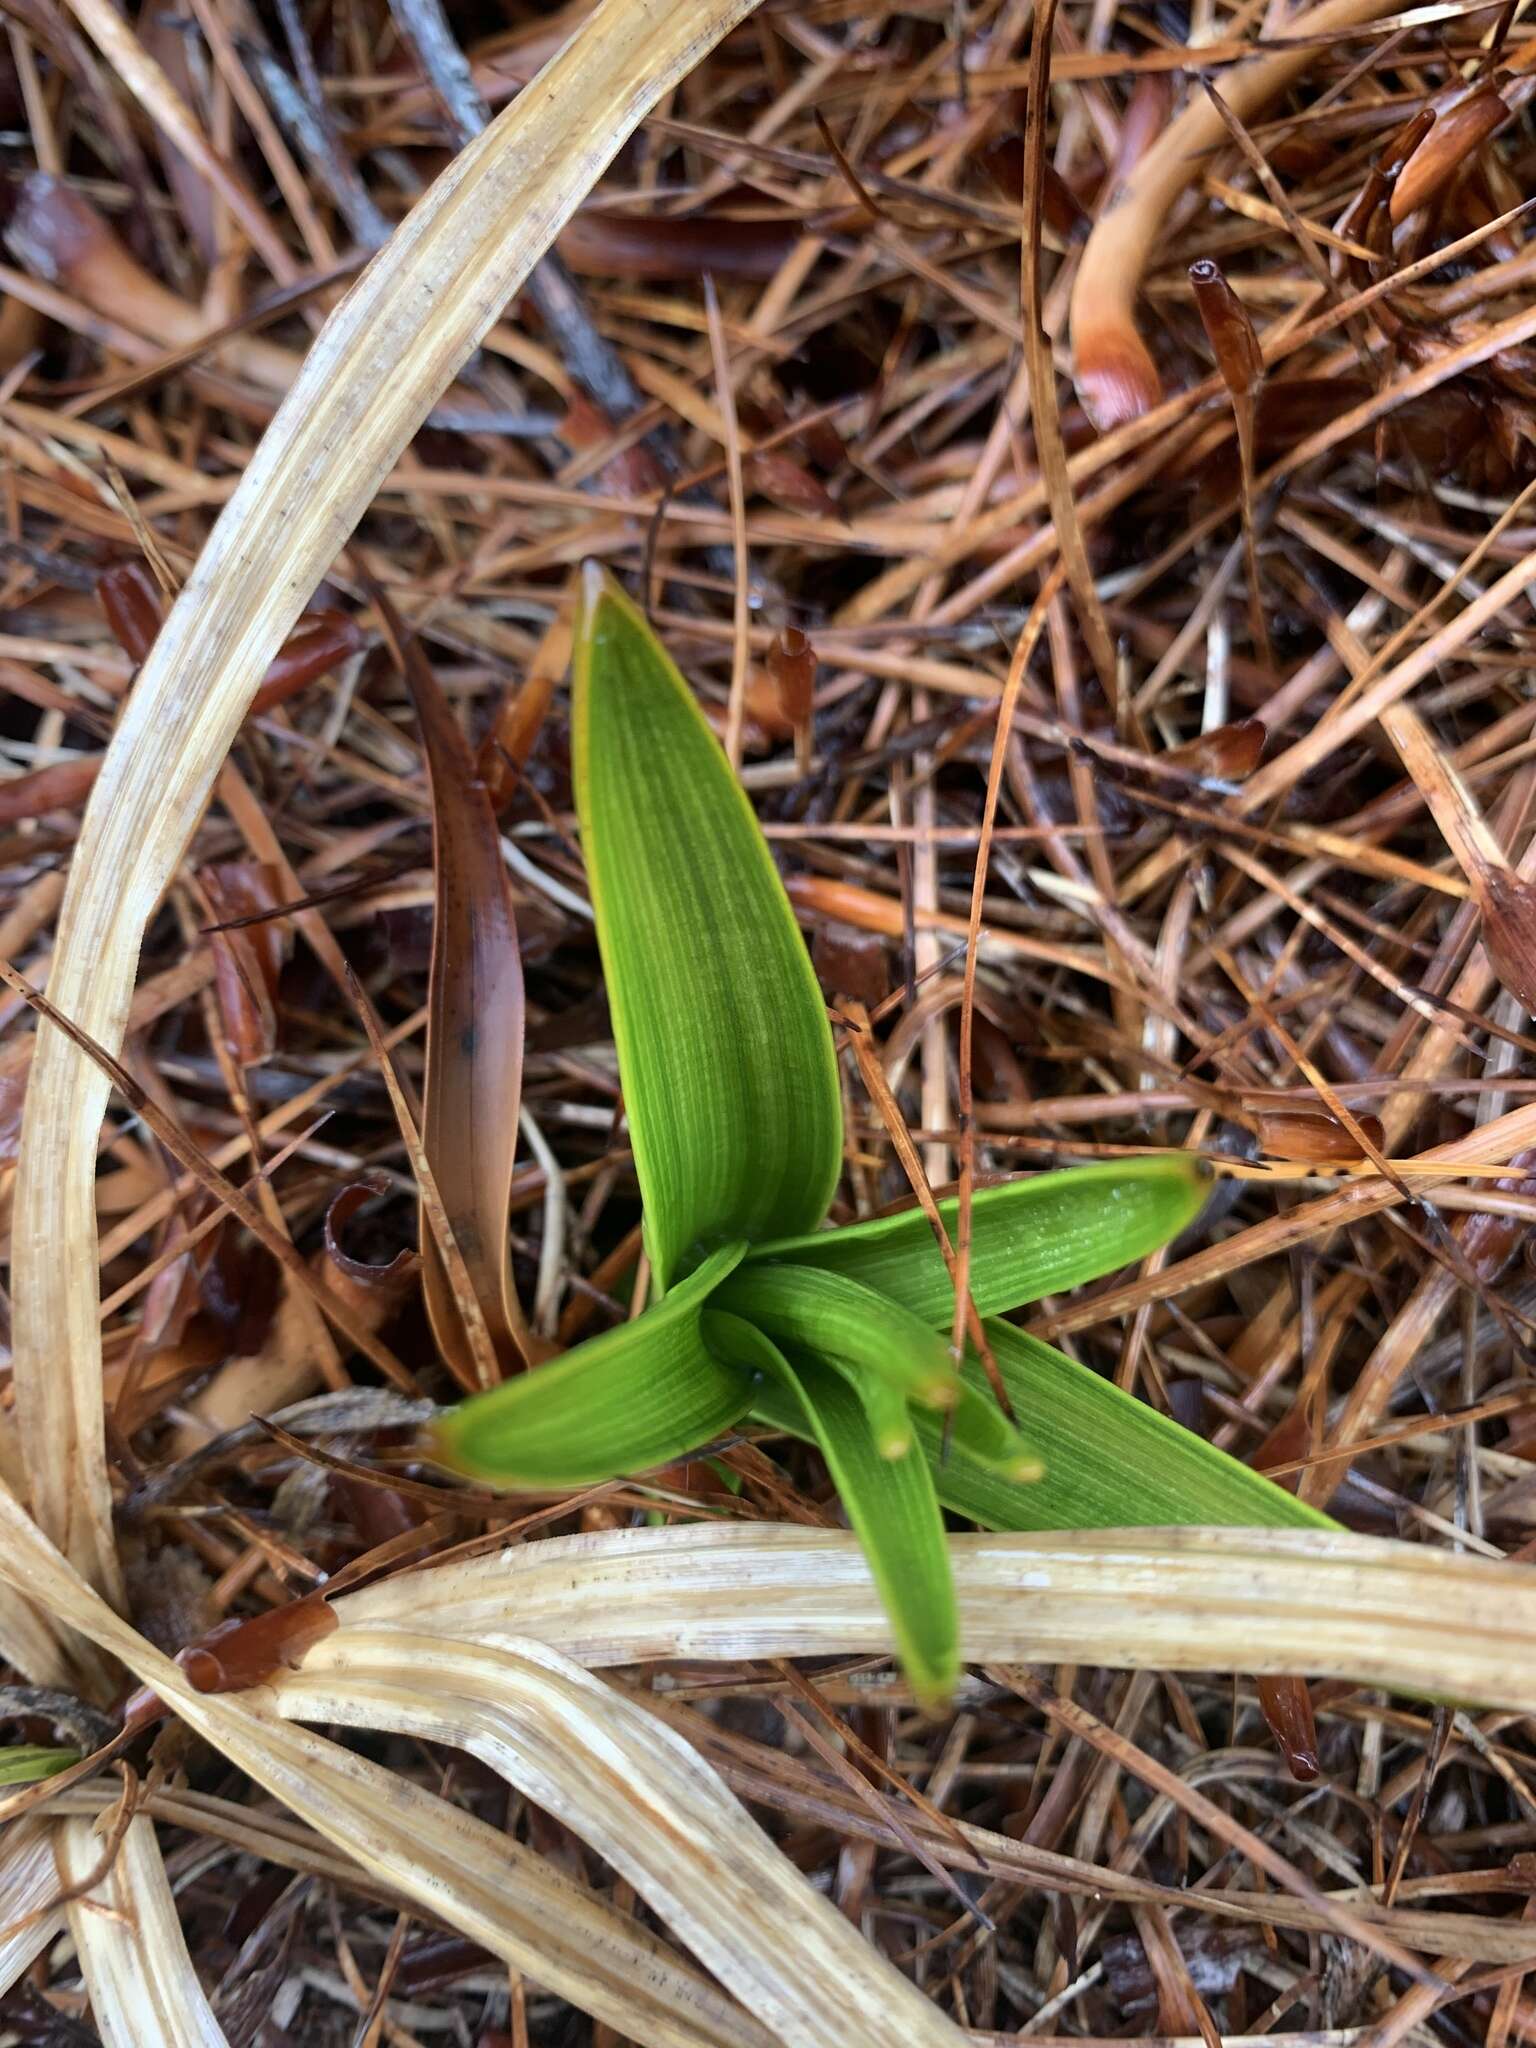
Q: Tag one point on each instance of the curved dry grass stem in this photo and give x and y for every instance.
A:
(133, 1956)
(644, 1799)
(453, 1867)
(385, 354)
(1265, 1601)
(1116, 377)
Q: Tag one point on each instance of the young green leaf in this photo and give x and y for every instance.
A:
(635, 1397)
(1111, 1462)
(1029, 1238)
(890, 1502)
(826, 1313)
(725, 1053)
(981, 1429)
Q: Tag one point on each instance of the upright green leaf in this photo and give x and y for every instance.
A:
(828, 1314)
(890, 1502)
(635, 1397)
(1029, 1238)
(1111, 1462)
(725, 1053)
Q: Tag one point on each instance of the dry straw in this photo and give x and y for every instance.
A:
(1247, 1600)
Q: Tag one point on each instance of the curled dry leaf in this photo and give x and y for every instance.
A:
(371, 1290)
(1228, 328)
(1459, 131)
(238, 1654)
(1228, 753)
(510, 1901)
(1287, 1707)
(131, 604)
(1117, 379)
(293, 1356)
(792, 665)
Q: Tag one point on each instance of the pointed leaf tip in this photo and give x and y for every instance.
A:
(725, 1052)
(636, 1397)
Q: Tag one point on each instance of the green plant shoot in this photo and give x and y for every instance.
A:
(730, 1085)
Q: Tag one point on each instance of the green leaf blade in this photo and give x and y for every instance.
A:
(890, 1503)
(1029, 1238)
(725, 1054)
(1111, 1462)
(633, 1398)
(806, 1308)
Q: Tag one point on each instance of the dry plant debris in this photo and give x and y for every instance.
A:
(1095, 439)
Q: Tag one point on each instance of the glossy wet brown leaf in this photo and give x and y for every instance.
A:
(1229, 753)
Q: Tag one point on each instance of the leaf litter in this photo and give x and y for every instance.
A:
(1255, 859)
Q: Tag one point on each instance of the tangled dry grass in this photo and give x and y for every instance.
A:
(1198, 340)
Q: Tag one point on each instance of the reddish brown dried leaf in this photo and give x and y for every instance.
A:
(240, 1654)
(249, 959)
(131, 603)
(1457, 135)
(1228, 753)
(792, 665)
(1312, 1136)
(660, 250)
(1228, 328)
(320, 642)
(62, 787)
(474, 1075)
